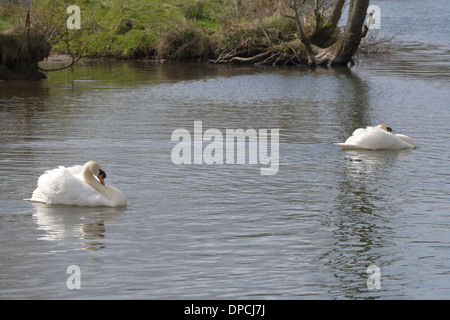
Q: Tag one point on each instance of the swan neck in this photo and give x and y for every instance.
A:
(89, 179)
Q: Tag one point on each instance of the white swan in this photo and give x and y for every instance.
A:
(377, 138)
(78, 185)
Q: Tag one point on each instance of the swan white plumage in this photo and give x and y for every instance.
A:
(77, 185)
(377, 138)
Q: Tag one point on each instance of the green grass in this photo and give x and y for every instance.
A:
(161, 29)
(148, 23)
(249, 31)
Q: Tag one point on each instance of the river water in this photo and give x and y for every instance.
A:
(313, 230)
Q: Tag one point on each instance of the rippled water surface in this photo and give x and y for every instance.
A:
(201, 231)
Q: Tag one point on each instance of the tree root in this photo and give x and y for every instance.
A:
(251, 59)
(281, 55)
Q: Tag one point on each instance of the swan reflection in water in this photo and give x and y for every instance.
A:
(65, 223)
(366, 179)
(366, 161)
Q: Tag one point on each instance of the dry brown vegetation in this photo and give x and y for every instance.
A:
(20, 53)
(31, 37)
(218, 31)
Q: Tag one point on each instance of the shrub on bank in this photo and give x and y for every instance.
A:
(20, 53)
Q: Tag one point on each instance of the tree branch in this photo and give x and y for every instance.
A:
(303, 38)
(61, 68)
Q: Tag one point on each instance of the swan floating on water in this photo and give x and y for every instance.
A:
(377, 138)
(77, 185)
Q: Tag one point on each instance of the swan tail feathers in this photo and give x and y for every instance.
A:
(347, 145)
(38, 196)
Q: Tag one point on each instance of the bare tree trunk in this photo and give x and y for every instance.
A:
(323, 31)
(341, 52)
(304, 39)
(313, 49)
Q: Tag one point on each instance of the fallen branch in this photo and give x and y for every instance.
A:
(61, 68)
(251, 59)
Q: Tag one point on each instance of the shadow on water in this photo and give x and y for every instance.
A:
(22, 89)
(21, 102)
(61, 222)
(353, 101)
(363, 218)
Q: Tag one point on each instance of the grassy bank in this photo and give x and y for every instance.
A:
(245, 31)
(183, 30)
(169, 29)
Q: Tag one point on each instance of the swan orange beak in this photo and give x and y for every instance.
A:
(101, 176)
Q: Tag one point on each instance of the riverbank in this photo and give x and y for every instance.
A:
(216, 31)
(172, 30)
(193, 30)
(154, 30)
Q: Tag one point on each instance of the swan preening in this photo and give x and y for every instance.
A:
(78, 185)
(377, 138)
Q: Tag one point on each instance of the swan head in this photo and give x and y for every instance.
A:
(95, 169)
(383, 127)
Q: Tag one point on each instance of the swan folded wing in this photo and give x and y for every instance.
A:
(66, 186)
(49, 185)
(367, 138)
(38, 196)
(379, 139)
(75, 171)
(77, 192)
(406, 139)
(352, 141)
(374, 138)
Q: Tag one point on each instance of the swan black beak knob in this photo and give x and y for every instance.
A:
(101, 176)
